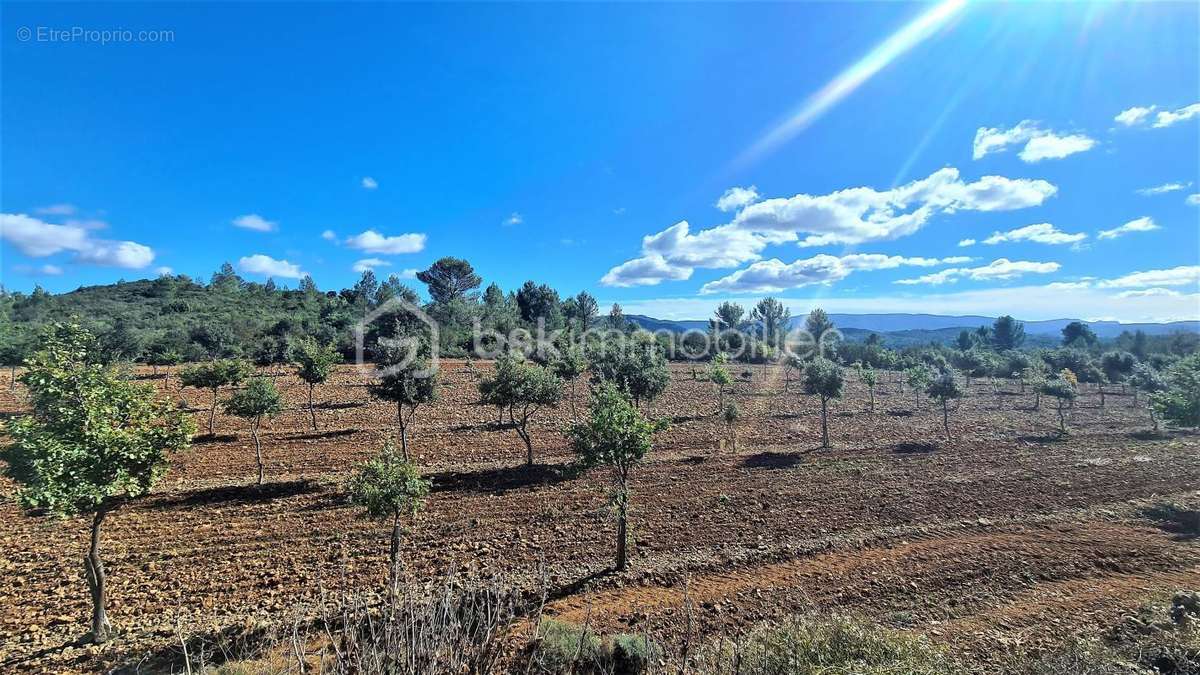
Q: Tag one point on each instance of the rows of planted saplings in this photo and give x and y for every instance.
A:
(96, 439)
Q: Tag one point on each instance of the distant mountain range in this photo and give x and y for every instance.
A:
(926, 327)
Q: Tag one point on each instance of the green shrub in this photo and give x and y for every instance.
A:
(632, 654)
(564, 646)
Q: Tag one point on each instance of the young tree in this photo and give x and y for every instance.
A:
(162, 354)
(390, 487)
(944, 388)
(918, 378)
(12, 354)
(824, 378)
(569, 365)
(1034, 376)
(524, 389)
(637, 366)
(730, 415)
(718, 374)
(213, 375)
(1064, 391)
(314, 365)
(258, 399)
(93, 441)
(615, 435)
(1146, 379)
(1179, 403)
(867, 374)
(408, 385)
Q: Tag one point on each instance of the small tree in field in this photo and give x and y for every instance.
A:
(1179, 403)
(730, 416)
(918, 378)
(1034, 377)
(1146, 379)
(524, 389)
(389, 487)
(569, 365)
(945, 388)
(408, 386)
(314, 365)
(718, 374)
(213, 375)
(615, 435)
(1064, 392)
(258, 399)
(92, 442)
(824, 378)
(867, 374)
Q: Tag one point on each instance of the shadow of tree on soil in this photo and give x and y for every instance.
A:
(503, 479)
(914, 448)
(238, 494)
(1179, 520)
(772, 460)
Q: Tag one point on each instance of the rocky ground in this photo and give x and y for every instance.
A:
(1004, 535)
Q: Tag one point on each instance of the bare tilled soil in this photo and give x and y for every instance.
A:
(1005, 534)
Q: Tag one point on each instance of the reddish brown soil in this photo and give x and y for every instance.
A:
(1004, 534)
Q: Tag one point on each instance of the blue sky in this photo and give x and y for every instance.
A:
(546, 141)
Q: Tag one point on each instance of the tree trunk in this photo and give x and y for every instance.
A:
(12, 377)
(257, 448)
(312, 411)
(872, 404)
(946, 417)
(94, 571)
(524, 434)
(824, 425)
(212, 413)
(403, 430)
(394, 557)
(622, 526)
(574, 412)
(1062, 420)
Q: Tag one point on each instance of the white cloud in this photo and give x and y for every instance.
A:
(369, 264)
(1000, 269)
(374, 242)
(410, 273)
(1143, 224)
(1149, 292)
(38, 239)
(164, 271)
(1164, 188)
(50, 270)
(1193, 199)
(645, 271)
(1166, 118)
(329, 235)
(737, 197)
(1183, 275)
(851, 216)
(967, 242)
(369, 183)
(253, 221)
(269, 267)
(56, 210)
(1134, 116)
(1039, 143)
(773, 276)
(1039, 233)
(513, 219)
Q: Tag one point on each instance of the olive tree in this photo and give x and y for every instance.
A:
(867, 374)
(409, 385)
(314, 365)
(637, 366)
(389, 487)
(718, 374)
(1146, 379)
(824, 378)
(918, 378)
(213, 375)
(616, 435)
(569, 365)
(730, 416)
(945, 388)
(258, 399)
(523, 389)
(93, 441)
(1179, 403)
(1064, 391)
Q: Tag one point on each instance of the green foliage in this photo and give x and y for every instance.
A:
(1146, 379)
(215, 374)
(1060, 389)
(522, 388)
(570, 363)
(449, 279)
(1007, 333)
(637, 366)
(944, 387)
(92, 436)
(388, 486)
(259, 398)
(614, 434)
(1179, 403)
(773, 319)
(918, 377)
(563, 647)
(730, 414)
(1079, 335)
(835, 646)
(315, 361)
(1117, 366)
(823, 378)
